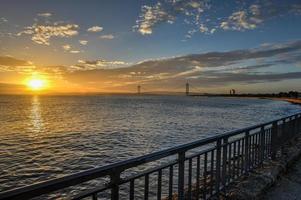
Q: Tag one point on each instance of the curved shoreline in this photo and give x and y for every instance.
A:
(290, 100)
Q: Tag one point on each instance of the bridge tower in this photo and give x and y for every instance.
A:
(139, 89)
(187, 89)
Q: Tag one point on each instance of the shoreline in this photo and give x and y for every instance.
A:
(290, 100)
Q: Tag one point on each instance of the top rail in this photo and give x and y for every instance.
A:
(49, 186)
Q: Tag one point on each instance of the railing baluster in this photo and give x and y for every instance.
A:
(224, 163)
(146, 186)
(218, 165)
(268, 143)
(132, 189)
(189, 178)
(274, 140)
(94, 196)
(234, 161)
(229, 162)
(243, 160)
(290, 127)
(294, 127)
(170, 189)
(262, 146)
(181, 176)
(211, 172)
(256, 149)
(205, 176)
(159, 184)
(253, 150)
(239, 158)
(299, 123)
(115, 179)
(285, 137)
(198, 177)
(247, 158)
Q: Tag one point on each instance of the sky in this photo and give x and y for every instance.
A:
(77, 46)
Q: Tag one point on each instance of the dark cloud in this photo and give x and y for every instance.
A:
(10, 61)
(212, 68)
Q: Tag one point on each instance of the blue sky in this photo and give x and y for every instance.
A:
(77, 37)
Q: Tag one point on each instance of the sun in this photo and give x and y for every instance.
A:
(36, 84)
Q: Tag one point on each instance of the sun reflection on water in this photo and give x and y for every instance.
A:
(36, 117)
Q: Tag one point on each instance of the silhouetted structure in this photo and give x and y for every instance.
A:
(232, 92)
(187, 89)
(138, 89)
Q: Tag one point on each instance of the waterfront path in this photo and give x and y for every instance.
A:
(288, 187)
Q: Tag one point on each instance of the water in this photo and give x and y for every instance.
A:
(43, 137)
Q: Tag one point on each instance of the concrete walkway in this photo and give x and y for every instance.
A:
(288, 187)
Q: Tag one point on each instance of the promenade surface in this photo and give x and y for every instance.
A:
(288, 187)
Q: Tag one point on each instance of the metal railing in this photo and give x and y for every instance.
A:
(197, 170)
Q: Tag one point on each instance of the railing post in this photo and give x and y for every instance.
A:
(181, 175)
(224, 164)
(247, 157)
(218, 165)
(114, 180)
(295, 126)
(291, 131)
(262, 149)
(274, 140)
(284, 137)
(283, 133)
(299, 124)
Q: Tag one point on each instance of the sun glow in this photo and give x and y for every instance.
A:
(36, 84)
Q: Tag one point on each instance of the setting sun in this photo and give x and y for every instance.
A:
(36, 84)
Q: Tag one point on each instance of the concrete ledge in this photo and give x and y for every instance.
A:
(255, 185)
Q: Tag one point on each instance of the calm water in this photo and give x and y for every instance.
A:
(51, 136)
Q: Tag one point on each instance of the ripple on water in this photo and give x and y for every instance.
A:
(51, 136)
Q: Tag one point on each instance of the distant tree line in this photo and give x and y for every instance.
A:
(293, 94)
(290, 94)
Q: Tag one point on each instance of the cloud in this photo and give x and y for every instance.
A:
(66, 47)
(41, 34)
(152, 16)
(12, 69)
(99, 64)
(47, 14)
(256, 14)
(206, 69)
(95, 29)
(3, 20)
(166, 11)
(213, 69)
(74, 51)
(69, 49)
(108, 37)
(10, 61)
(239, 21)
(203, 28)
(207, 17)
(10, 64)
(83, 42)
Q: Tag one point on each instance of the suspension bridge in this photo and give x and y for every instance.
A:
(188, 89)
